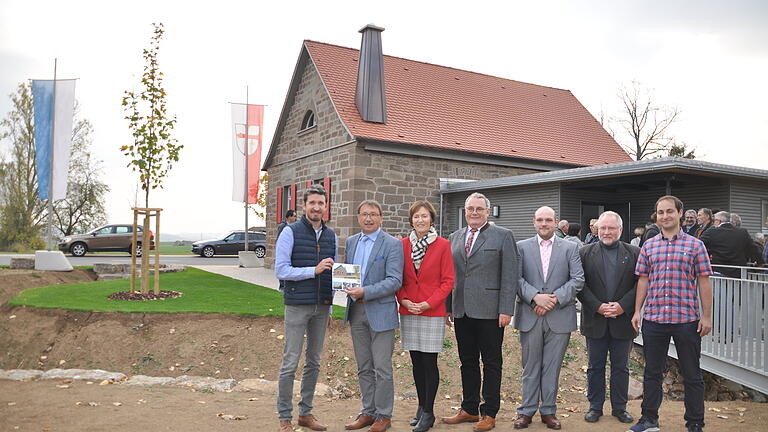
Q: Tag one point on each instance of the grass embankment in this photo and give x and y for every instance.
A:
(204, 292)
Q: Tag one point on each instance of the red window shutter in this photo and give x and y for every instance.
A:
(327, 186)
(309, 183)
(292, 201)
(279, 206)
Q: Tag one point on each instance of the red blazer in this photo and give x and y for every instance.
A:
(434, 281)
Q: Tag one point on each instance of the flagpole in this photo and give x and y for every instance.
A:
(245, 147)
(50, 171)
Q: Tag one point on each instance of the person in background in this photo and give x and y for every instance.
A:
(290, 217)
(427, 282)
(639, 231)
(592, 236)
(651, 230)
(574, 230)
(705, 219)
(689, 223)
(735, 220)
(562, 229)
(728, 245)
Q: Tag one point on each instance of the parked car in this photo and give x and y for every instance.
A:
(231, 244)
(107, 238)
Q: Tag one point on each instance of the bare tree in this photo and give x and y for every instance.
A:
(646, 122)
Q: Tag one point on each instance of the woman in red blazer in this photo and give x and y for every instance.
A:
(427, 281)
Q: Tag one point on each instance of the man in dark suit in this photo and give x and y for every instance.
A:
(728, 245)
(608, 300)
(485, 261)
(689, 224)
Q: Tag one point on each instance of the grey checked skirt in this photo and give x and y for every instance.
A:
(422, 333)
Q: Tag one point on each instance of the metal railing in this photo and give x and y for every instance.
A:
(736, 347)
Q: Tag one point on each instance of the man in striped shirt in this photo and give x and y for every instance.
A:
(673, 269)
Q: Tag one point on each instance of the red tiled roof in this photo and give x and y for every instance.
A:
(442, 107)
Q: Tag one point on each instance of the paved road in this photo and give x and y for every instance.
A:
(119, 258)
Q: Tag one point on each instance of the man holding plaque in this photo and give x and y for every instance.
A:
(372, 315)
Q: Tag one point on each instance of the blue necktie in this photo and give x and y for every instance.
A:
(361, 255)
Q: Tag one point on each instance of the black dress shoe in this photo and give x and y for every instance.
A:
(623, 416)
(425, 422)
(593, 415)
(415, 419)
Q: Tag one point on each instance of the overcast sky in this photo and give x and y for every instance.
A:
(708, 58)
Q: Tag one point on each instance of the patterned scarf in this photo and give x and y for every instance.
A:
(419, 245)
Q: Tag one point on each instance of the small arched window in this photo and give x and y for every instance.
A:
(308, 122)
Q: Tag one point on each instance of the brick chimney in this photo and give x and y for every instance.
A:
(370, 96)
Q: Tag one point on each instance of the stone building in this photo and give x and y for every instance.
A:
(370, 126)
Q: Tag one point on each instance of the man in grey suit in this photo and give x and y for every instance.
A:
(486, 266)
(608, 299)
(372, 314)
(546, 315)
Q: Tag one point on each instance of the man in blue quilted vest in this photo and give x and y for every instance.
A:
(305, 253)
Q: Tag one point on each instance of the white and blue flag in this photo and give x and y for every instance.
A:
(54, 145)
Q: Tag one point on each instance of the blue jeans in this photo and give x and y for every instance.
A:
(655, 346)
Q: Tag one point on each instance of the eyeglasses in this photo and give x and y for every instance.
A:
(475, 209)
(368, 215)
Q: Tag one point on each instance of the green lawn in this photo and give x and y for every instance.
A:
(204, 292)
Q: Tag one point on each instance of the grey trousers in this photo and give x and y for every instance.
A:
(311, 320)
(543, 352)
(373, 353)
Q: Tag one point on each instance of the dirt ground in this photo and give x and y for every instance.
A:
(229, 346)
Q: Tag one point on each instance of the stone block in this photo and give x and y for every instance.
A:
(268, 388)
(52, 261)
(147, 381)
(20, 374)
(635, 389)
(22, 263)
(203, 383)
(83, 374)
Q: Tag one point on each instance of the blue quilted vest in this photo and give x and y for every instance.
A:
(308, 251)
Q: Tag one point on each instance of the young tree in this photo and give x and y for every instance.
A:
(645, 122)
(153, 151)
(83, 208)
(22, 212)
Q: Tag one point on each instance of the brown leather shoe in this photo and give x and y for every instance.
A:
(460, 417)
(380, 425)
(311, 422)
(551, 421)
(362, 421)
(486, 423)
(286, 426)
(522, 421)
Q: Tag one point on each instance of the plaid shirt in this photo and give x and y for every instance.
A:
(672, 267)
